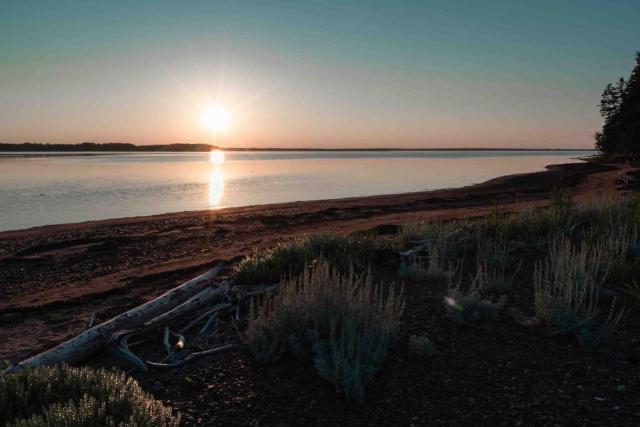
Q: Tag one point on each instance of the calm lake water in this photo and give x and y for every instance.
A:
(39, 189)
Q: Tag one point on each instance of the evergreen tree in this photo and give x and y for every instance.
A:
(620, 109)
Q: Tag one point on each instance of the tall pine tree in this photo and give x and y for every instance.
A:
(620, 109)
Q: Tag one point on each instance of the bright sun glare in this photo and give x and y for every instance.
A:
(216, 157)
(217, 119)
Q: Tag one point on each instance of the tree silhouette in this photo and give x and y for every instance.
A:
(620, 109)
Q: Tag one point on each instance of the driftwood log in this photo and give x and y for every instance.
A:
(153, 313)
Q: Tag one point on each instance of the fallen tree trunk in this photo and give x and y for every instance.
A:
(200, 299)
(93, 340)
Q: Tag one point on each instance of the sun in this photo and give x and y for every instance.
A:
(217, 119)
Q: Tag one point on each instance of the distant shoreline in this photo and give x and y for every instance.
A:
(199, 148)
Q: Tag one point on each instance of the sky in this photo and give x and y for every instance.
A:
(423, 73)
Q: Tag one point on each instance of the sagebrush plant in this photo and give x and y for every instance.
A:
(343, 319)
(78, 397)
(566, 292)
(268, 266)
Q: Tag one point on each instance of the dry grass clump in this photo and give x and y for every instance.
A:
(566, 293)
(78, 397)
(602, 216)
(345, 321)
(492, 273)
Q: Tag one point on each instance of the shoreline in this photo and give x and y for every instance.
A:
(142, 149)
(552, 169)
(74, 270)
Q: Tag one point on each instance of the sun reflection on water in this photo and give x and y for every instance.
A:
(216, 187)
(216, 157)
(216, 179)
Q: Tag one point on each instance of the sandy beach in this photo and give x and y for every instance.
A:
(104, 266)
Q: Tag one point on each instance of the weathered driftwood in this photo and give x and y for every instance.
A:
(209, 313)
(200, 299)
(91, 341)
(120, 347)
(212, 320)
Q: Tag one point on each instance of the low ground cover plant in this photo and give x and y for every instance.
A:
(78, 397)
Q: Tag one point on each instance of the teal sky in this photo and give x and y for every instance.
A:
(313, 74)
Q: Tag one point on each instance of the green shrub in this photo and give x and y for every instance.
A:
(290, 259)
(345, 321)
(76, 397)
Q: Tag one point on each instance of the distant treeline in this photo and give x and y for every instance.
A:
(94, 147)
(116, 146)
(620, 109)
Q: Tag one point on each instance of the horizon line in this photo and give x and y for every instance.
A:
(105, 147)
